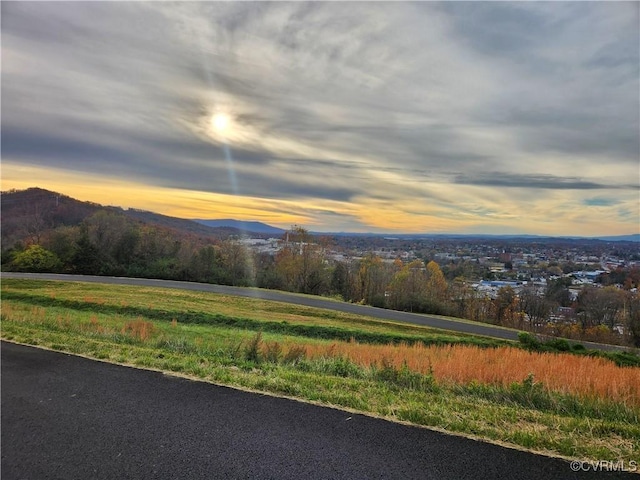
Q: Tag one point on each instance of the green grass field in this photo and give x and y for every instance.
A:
(265, 346)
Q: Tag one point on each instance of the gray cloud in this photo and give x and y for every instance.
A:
(425, 91)
(569, 74)
(501, 179)
(507, 31)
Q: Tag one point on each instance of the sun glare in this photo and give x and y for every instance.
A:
(220, 122)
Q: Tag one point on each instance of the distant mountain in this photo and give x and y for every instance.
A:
(479, 236)
(621, 238)
(180, 224)
(253, 227)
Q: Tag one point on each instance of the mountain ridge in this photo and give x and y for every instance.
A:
(243, 225)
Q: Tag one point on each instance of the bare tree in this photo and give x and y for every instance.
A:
(535, 306)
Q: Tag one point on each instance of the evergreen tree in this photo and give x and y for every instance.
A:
(86, 259)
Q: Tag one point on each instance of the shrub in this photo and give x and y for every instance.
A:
(252, 350)
(272, 352)
(378, 300)
(529, 341)
(295, 354)
(623, 359)
(559, 344)
(403, 377)
(342, 367)
(36, 259)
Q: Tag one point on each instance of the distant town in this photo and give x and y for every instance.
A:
(495, 263)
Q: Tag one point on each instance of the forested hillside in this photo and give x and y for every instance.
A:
(48, 231)
(27, 214)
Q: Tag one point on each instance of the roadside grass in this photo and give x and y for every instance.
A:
(507, 399)
(213, 309)
(587, 377)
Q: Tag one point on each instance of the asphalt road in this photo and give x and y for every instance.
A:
(474, 328)
(68, 417)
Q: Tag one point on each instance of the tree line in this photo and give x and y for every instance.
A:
(109, 243)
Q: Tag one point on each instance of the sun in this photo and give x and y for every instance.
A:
(220, 122)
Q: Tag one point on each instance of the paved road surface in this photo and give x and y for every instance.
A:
(307, 300)
(68, 417)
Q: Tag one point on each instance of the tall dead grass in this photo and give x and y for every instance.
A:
(32, 314)
(139, 329)
(460, 364)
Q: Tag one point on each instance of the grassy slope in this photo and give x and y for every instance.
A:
(214, 338)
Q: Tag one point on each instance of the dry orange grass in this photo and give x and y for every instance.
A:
(138, 329)
(94, 325)
(32, 314)
(571, 374)
(90, 299)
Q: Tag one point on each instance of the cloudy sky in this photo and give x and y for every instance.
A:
(383, 117)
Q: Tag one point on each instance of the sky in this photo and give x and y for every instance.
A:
(412, 117)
